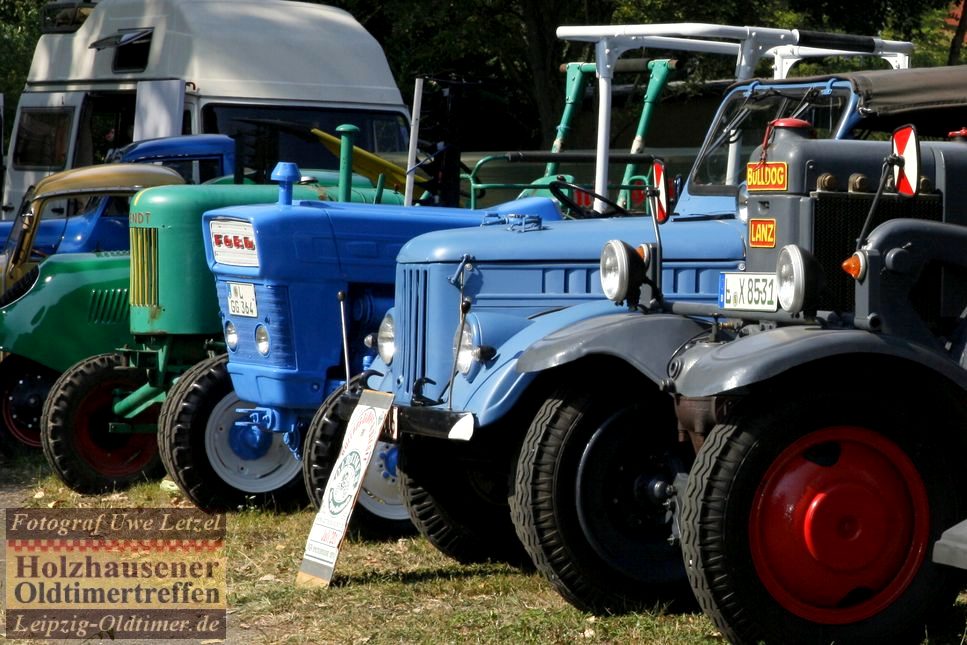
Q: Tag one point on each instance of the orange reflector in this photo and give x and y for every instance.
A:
(855, 266)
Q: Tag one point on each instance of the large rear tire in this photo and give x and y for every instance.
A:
(457, 499)
(217, 465)
(592, 496)
(380, 511)
(813, 521)
(75, 433)
(24, 386)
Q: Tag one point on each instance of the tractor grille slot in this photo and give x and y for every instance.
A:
(412, 324)
(838, 221)
(144, 267)
(108, 306)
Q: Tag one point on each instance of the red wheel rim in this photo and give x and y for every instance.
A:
(111, 454)
(22, 395)
(839, 526)
(27, 436)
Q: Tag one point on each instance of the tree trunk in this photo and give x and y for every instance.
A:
(958, 40)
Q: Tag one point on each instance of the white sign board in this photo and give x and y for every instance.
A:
(331, 522)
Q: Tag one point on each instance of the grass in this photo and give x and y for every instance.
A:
(394, 591)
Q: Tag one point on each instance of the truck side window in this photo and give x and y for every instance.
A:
(43, 137)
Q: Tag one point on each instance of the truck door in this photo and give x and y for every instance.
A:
(159, 111)
(42, 142)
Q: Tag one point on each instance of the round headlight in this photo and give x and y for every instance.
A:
(463, 346)
(622, 270)
(614, 270)
(386, 339)
(742, 203)
(262, 340)
(231, 335)
(791, 274)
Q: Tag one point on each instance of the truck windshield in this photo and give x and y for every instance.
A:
(270, 134)
(741, 125)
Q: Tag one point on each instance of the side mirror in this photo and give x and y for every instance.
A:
(660, 202)
(906, 160)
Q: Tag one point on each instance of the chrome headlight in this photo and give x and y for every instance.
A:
(262, 340)
(386, 339)
(742, 203)
(622, 270)
(799, 277)
(231, 335)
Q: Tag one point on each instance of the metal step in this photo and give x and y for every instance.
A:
(951, 548)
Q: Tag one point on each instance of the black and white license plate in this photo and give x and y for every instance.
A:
(241, 299)
(749, 291)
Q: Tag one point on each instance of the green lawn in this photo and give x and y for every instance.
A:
(399, 590)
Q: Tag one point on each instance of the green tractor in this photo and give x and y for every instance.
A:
(72, 222)
(100, 418)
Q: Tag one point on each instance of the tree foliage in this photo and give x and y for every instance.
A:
(509, 48)
(19, 30)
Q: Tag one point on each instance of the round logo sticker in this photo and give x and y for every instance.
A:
(345, 480)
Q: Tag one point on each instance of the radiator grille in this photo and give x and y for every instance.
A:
(108, 306)
(838, 221)
(144, 267)
(412, 323)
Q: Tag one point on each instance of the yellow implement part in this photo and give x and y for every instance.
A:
(367, 164)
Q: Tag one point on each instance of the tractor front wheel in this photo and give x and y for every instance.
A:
(458, 500)
(75, 428)
(813, 521)
(218, 464)
(594, 497)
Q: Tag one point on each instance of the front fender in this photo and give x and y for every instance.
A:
(78, 307)
(494, 391)
(709, 369)
(646, 341)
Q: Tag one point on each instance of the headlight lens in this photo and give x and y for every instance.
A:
(231, 335)
(622, 269)
(614, 270)
(386, 339)
(262, 340)
(791, 273)
(742, 203)
(463, 346)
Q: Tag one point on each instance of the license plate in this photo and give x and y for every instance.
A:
(241, 299)
(749, 291)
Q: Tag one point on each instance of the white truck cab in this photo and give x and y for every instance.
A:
(264, 71)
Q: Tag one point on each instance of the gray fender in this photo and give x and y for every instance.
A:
(645, 341)
(709, 369)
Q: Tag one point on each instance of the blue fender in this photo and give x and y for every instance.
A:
(710, 369)
(564, 336)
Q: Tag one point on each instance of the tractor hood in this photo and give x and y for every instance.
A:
(576, 241)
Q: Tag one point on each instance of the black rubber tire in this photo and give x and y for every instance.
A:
(579, 505)
(20, 287)
(74, 429)
(320, 451)
(183, 424)
(737, 459)
(24, 386)
(458, 502)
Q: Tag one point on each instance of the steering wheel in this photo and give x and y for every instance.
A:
(577, 211)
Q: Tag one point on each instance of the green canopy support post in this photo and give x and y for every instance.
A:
(348, 134)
